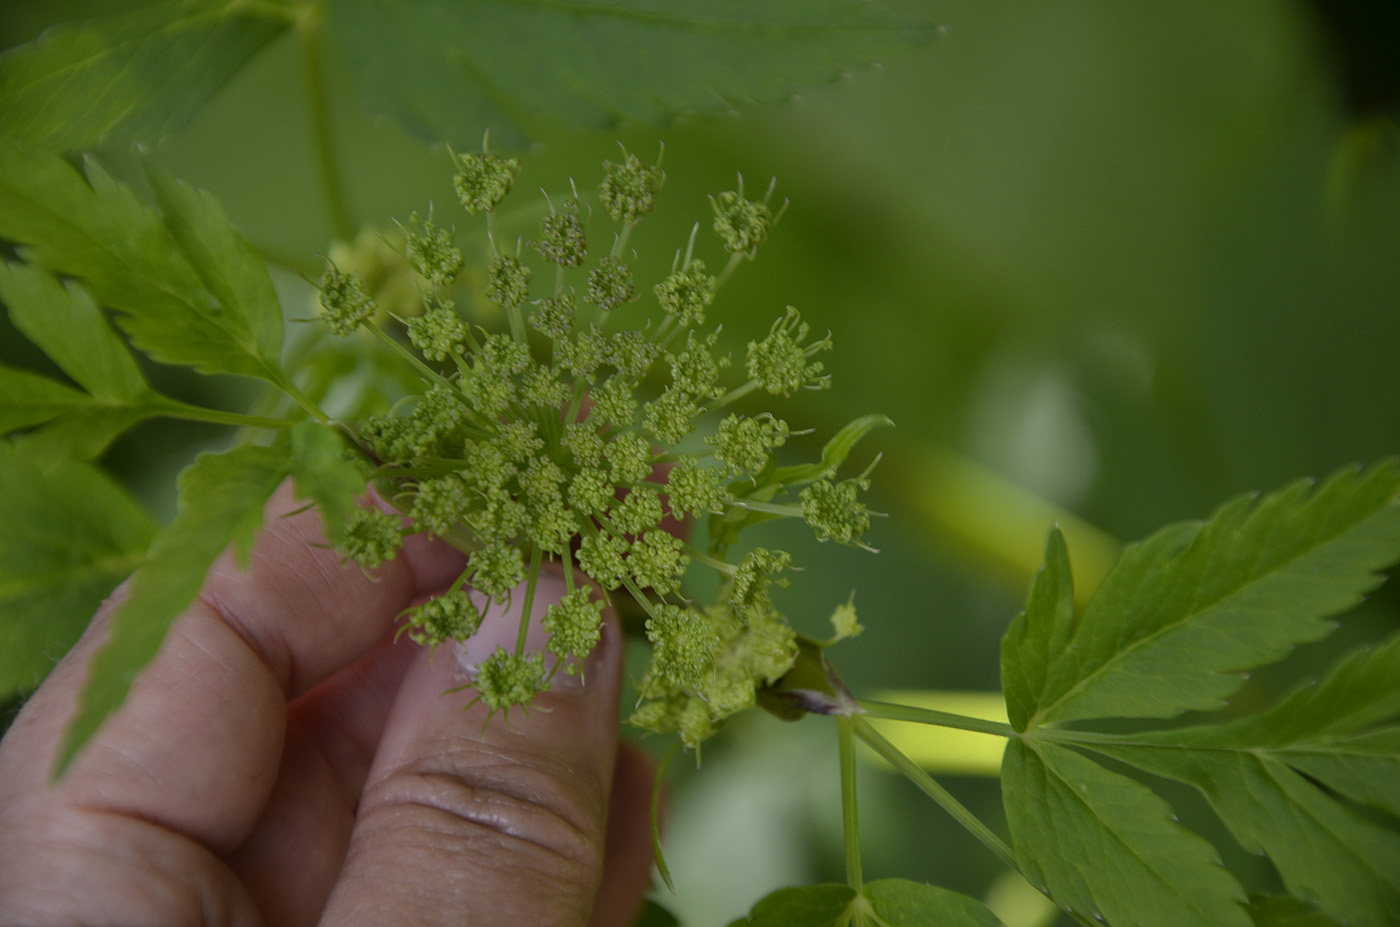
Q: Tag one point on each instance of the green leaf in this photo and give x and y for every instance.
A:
(138, 73)
(68, 535)
(324, 474)
(1183, 613)
(66, 324)
(99, 232)
(654, 915)
(1280, 779)
(28, 398)
(1105, 846)
(450, 69)
(805, 906)
(1041, 630)
(1282, 911)
(221, 501)
(900, 903)
(835, 452)
(887, 902)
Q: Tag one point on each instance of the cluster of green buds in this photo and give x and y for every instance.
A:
(559, 440)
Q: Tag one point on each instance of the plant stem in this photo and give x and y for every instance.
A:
(661, 868)
(222, 417)
(328, 166)
(941, 796)
(531, 581)
(891, 712)
(850, 818)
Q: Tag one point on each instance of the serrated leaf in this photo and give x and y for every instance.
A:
(28, 398)
(137, 73)
(99, 232)
(1275, 779)
(1104, 845)
(220, 502)
(323, 474)
(68, 535)
(66, 324)
(1184, 612)
(1038, 633)
(226, 263)
(900, 903)
(450, 69)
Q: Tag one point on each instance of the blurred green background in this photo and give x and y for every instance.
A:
(1099, 262)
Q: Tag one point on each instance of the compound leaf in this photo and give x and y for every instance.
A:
(1038, 633)
(1281, 781)
(31, 398)
(1183, 613)
(824, 905)
(1105, 846)
(1283, 911)
(99, 232)
(136, 73)
(449, 69)
(900, 903)
(220, 502)
(325, 475)
(68, 535)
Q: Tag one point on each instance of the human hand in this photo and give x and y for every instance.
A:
(282, 761)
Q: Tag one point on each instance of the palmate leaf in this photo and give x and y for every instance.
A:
(888, 902)
(220, 502)
(1163, 634)
(137, 73)
(188, 294)
(1182, 614)
(447, 69)
(68, 535)
(1283, 780)
(68, 326)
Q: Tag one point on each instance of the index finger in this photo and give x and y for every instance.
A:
(196, 746)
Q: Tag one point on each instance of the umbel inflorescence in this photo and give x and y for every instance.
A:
(566, 439)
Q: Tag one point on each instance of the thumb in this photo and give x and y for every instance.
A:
(464, 821)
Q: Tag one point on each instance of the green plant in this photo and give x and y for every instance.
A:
(550, 427)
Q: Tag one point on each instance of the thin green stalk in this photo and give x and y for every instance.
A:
(733, 395)
(530, 582)
(222, 417)
(699, 556)
(771, 508)
(941, 796)
(655, 808)
(328, 165)
(892, 712)
(850, 818)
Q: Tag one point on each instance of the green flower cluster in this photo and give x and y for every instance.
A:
(556, 442)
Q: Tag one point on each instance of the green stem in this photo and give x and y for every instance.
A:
(655, 808)
(732, 396)
(850, 818)
(771, 508)
(941, 796)
(531, 581)
(932, 716)
(328, 165)
(428, 373)
(288, 387)
(699, 556)
(222, 417)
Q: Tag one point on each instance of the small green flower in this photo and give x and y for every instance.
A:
(575, 626)
(562, 239)
(440, 503)
(582, 354)
(656, 561)
(540, 482)
(615, 401)
(696, 369)
(629, 455)
(779, 362)
(439, 332)
(687, 293)
(344, 302)
(610, 284)
(639, 511)
(844, 622)
(505, 680)
(540, 388)
(483, 180)
(834, 512)
(584, 442)
(740, 223)
(371, 537)
(695, 489)
(431, 252)
(518, 441)
(629, 189)
(757, 572)
(554, 527)
(507, 282)
(554, 316)
(742, 444)
(590, 492)
(600, 556)
(683, 644)
(497, 569)
(450, 616)
(671, 416)
(632, 353)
